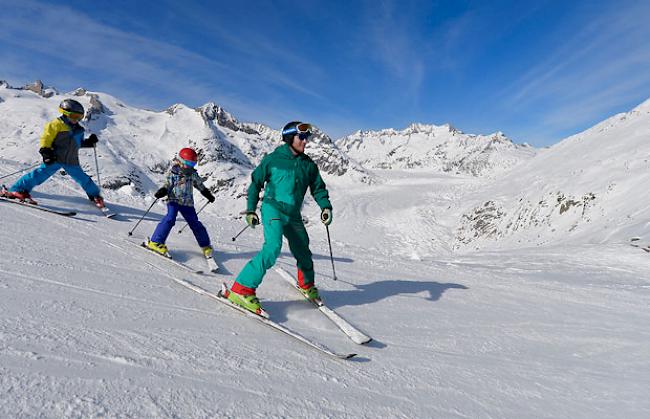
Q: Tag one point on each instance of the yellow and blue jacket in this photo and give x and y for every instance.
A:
(65, 139)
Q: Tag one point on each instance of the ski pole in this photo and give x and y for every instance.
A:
(238, 234)
(21, 170)
(197, 213)
(329, 242)
(141, 218)
(99, 182)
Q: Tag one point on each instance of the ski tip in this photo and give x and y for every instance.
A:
(347, 356)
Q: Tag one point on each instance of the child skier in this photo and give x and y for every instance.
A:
(178, 187)
(59, 147)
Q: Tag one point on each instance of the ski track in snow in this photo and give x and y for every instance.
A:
(92, 330)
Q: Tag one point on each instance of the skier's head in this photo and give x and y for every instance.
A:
(187, 157)
(302, 129)
(295, 133)
(72, 110)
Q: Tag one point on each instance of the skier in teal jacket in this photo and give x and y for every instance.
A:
(285, 174)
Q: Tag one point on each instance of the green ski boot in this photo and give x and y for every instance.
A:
(310, 293)
(249, 302)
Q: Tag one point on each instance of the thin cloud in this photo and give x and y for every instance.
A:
(584, 62)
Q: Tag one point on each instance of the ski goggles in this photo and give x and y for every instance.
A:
(304, 130)
(73, 116)
(188, 163)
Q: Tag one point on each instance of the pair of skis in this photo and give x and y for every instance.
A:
(350, 331)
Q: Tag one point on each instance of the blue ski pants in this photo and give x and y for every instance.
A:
(189, 213)
(42, 173)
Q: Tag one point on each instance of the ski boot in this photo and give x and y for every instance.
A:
(97, 200)
(248, 301)
(310, 293)
(160, 248)
(22, 196)
(309, 290)
(207, 251)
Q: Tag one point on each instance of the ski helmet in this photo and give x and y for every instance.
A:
(187, 156)
(71, 106)
(302, 129)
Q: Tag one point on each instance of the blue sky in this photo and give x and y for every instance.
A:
(538, 71)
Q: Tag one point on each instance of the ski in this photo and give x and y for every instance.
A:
(212, 264)
(65, 213)
(350, 331)
(268, 322)
(106, 212)
(169, 259)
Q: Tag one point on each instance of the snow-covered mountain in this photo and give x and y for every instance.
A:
(137, 145)
(591, 187)
(442, 148)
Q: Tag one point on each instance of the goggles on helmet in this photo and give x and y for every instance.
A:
(188, 163)
(304, 130)
(73, 116)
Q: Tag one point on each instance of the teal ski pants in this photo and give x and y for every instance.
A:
(277, 224)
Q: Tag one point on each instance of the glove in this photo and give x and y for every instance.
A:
(48, 155)
(90, 141)
(252, 219)
(162, 192)
(326, 216)
(208, 195)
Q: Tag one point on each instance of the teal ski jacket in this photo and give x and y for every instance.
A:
(285, 178)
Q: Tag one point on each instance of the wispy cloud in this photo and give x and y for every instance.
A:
(593, 64)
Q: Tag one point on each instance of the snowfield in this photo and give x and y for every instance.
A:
(92, 326)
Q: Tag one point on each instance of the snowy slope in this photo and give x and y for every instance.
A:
(88, 329)
(589, 188)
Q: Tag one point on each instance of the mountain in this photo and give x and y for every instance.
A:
(591, 187)
(442, 148)
(136, 145)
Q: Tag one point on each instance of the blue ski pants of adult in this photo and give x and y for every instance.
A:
(168, 221)
(42, 173)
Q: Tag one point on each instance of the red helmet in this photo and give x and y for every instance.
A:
(188, 155)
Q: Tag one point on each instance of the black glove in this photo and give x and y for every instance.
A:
(48, 155)
(90, 141)
(162, 192)
(208, 195)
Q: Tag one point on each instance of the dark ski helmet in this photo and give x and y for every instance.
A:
(296, 127)
(71, 106)
(187, 156)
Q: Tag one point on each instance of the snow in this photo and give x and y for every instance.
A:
(89, 329)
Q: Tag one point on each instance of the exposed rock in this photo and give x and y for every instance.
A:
(96, 107)
(211, 112)
(40, 89)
